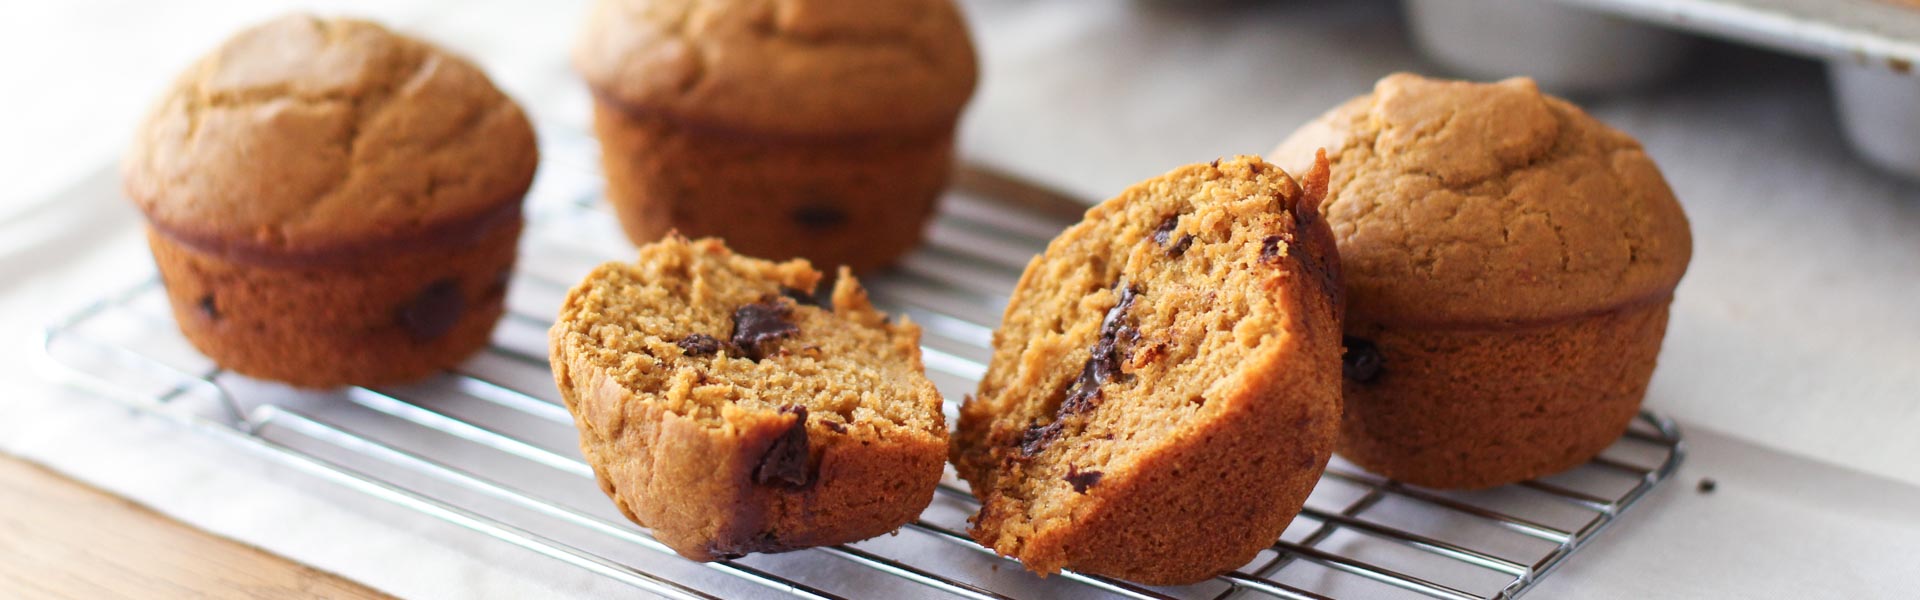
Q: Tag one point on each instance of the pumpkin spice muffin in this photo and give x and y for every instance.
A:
(1509, 262)
(332, 203)
(1164, 390)
(723, 408)
(820, 129)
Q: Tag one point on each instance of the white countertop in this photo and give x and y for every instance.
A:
(1793, 349)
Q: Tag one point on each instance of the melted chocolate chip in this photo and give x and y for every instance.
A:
(1037, 437)
(699, 344)
(208, 308)
(836, 426)
(1361, 362)
(799, 296)
(819, 217)
(434, 311)
(1163, 235)
(760, 323)
(1106, 356)
(1180, 246)
(786, 460)
(1271, 248)
(1081, 480)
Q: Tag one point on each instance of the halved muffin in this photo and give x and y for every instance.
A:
(726, 410)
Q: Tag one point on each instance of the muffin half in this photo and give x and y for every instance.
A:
(1164, 389)
(726, 410)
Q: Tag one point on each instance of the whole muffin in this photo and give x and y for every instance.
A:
(332, 203)
(820, 129)
(1165, 389)
(1509, 261)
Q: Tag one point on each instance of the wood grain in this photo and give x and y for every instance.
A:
(62, 539)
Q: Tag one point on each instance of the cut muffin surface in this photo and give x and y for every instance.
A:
(726, 409)
(1164, 389)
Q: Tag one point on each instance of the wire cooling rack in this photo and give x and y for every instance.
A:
(488, 446)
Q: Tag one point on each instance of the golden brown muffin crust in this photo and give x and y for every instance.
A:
(311, 135)
(1164, 390)
(800, 67)
(1458, 202)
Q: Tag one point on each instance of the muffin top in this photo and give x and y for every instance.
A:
(1467, 203)
(793, 67)
(313, 136)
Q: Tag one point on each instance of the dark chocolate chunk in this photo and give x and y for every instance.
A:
(434, 311)
(1117, 337)
(1361, 362)
(1707, 485)
(786, 460)
(799, 296)
(1180, 246)
(760, 323)
(1036, 438)
(1272, 246)
(814, 216)
(699, 344)
(1164, 233)
(208, 308)
(1081, 480)
(836, 426)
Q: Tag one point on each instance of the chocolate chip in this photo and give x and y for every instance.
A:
(760, 323)
(208, 308)
(1081, 480)
(1180, 246)
(1036, 438)
(1105, 358)
(819, 217)
(1361, 362)
(1163, 235)
(1707, 485)
(699, 344)
(799, 296)
(836, 426)
(786, 459)
(434, 311)
(1272, 247)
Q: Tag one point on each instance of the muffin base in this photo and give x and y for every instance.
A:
(367, 321)
(1470, 408)
(857, 201)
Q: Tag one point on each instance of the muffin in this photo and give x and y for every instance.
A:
(820, 129)
(1509, 262)
(724, 408)
(332, 203)
(1164, 390)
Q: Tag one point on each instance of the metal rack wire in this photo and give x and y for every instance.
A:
(487, 447)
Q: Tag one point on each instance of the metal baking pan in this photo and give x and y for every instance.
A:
(1598, 46)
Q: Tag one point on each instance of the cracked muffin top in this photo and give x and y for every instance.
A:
(796, 67)
(1469, 203)
(305, 134)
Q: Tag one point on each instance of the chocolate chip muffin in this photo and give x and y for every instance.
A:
(820, 129)
(332, 203)
(1164, 389)
(725, 409)
(1509, 263)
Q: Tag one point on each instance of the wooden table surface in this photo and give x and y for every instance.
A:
(63, 539)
